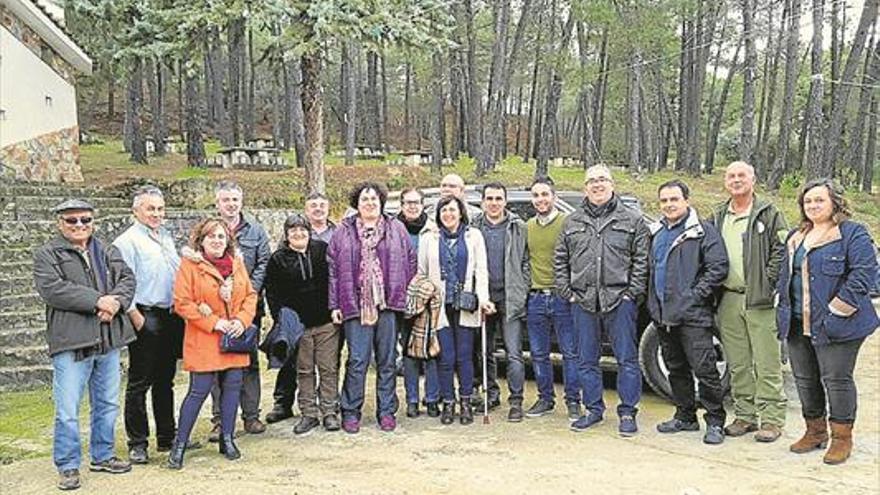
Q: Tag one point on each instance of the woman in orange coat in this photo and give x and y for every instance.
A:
(214, 295)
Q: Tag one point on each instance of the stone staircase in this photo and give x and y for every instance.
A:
(26, 222)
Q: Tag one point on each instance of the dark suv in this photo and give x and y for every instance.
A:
(654, 369)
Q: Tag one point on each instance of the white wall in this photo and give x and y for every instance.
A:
(25, 83)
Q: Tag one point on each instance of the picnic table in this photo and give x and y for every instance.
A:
(248, 157)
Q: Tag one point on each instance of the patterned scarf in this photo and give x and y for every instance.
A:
(372, 284)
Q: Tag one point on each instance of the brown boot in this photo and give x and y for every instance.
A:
(841, 443)
(816, 437)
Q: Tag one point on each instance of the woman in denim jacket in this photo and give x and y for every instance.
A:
(825, 314)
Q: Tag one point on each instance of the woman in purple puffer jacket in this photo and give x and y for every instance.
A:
(371, 263)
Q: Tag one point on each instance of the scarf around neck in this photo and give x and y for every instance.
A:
(453, 265)
(223, 264)
(414, 227)
(372, 284)
(599, 211)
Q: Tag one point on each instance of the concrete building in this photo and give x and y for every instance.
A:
(39, 60)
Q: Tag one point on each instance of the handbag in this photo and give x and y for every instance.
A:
(466, 300)
(245, 343)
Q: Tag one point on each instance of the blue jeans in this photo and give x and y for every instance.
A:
(546, 313)
(102, 374)
(412, 368)
(620, 325)
(362, 341)
(456, 352)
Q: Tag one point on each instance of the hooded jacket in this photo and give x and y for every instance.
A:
(517, 269)
(300, 281)
(198, 282)
(696, 265)
(70, 290)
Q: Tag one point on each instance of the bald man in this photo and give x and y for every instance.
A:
(753, 231)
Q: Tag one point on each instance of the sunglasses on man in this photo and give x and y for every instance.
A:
(78, 220)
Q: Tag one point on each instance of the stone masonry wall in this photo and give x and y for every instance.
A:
(52, 157)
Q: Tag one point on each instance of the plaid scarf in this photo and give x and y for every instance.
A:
(372, 283)
(423, 306)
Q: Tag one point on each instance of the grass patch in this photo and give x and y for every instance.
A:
(26, 421)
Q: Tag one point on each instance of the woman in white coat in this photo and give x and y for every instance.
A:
(453, 256)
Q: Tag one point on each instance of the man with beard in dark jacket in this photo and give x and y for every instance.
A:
(601, 265)
(297, 278)
(688, 263)
(412, 214)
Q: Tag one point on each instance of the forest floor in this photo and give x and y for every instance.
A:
(538, 456)
(106, 164)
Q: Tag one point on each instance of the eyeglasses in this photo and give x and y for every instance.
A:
(598, 180)
(78, 220)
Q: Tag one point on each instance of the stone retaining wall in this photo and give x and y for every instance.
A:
(51, 157)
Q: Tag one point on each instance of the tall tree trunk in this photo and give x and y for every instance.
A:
(717, 116)
(439, 115)
(750, 70)
(383, 121)
(838, 105)
(533, 99)
(814, 112)
(780, 163)
(495, 107)
(856, 156)
(220, 120)
(407, 104)
(475, 108)
(195, 146)
(768, 98)
(554, 93)
(598, 118)
(519, 105)
(111, 98)
(134, 108)
(313, 117)
(371, 112)
(836, 44)
(285, 109)
(235, 34)
(250, 94)
(349, 113)
(586, 142)
(156, 87)
(634, 103)
(871, 147)
(297, 116)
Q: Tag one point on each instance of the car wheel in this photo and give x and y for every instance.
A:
(654, 368)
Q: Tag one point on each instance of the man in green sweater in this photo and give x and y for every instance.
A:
(753, 231)
(545, 310)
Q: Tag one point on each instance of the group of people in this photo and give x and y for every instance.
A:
(426, 280)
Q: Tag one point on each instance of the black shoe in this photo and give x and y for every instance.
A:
(113, 465)
(228, 447)
(175, 459)
(138, 454)
(412, 410)
(331, 422)
(540, 408)
(494, 403)
(515, 415)
(68, 479)
(574, 411)
(279, 413)
(214, 436)
(433, 409)
(190, 445)
(676, 425)
(305, 425)
(447, 417)
(714, 435)
(467, 412)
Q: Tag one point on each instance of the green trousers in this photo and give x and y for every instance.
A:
(752, 351)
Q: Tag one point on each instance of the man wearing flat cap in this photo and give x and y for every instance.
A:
(86, 286)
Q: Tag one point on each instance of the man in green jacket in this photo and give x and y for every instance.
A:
(753, 231)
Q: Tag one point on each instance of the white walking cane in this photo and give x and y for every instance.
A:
(485, 370)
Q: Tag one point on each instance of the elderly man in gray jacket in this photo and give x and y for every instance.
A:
(86, 286)
(509, 280)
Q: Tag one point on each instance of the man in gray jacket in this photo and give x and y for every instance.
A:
(86, 286)
(509, 281)
(253, 243)
(601, 265)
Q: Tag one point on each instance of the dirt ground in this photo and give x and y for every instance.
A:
(537, 456)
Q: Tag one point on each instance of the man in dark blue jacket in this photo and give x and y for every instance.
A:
(688, 263)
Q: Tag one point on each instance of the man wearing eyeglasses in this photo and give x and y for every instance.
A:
(601, 266)
(86, 286)
(149, 251)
